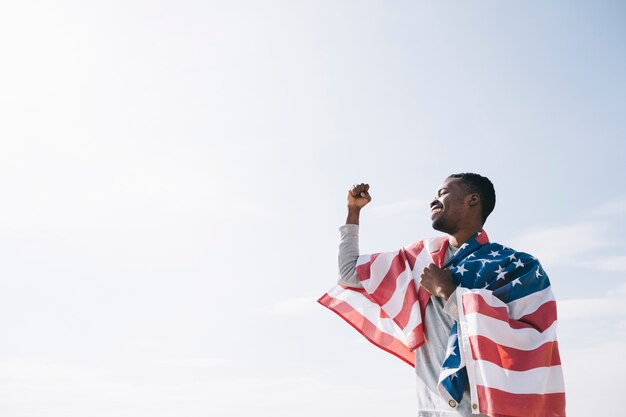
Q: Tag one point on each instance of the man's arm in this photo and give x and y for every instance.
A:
(358, 197)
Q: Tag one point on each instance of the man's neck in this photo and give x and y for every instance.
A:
(462, 236)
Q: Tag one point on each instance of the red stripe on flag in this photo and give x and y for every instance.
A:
(365, 294)
(363, 271)
(543, 317)
(412, 252)
(540, 319)
(439, 256)
(482, 238)
(388, 285)
(513, 359)
(368, 329)
(529, 405)
(410, 297)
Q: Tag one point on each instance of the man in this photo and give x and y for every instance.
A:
(479, 317)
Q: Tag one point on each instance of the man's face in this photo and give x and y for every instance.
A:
(448, 209)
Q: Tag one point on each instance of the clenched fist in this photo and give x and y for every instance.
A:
(438, 281)
(358, 196)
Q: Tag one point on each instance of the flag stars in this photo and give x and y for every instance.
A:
(485, 261)
(515, 282)
(518, 264)
(461, 269)
(538, 274)
(512, 257)
(500, 272)
(494, 253)
(450, 351)
(471, 255)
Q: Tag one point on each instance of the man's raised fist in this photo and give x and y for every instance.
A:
(358, 196)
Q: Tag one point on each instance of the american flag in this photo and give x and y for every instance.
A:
(504, 343)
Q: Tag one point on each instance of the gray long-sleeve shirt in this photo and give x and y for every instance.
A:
(440, 316)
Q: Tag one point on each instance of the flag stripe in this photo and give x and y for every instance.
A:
(513, 359)
(398, 292)
(529, 303)
(369, 330)
(403, 318)
(367, 308)
(528, 405)
(378, 270)
(412, 253)
(363, 263)
(501, 333)
(540, 319)
(520, 382)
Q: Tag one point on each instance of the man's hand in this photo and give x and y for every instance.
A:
(437, 281)
(358, 197)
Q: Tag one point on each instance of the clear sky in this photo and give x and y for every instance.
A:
(173, 173)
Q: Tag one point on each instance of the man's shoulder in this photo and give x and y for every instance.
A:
(501, 252)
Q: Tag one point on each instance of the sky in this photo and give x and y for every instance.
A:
(173, 174)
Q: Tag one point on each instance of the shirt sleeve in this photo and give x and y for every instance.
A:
(348, 255)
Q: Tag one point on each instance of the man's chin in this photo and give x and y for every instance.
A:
(440, 226)
(437, 225)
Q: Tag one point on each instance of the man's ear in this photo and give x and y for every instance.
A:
(473, 199)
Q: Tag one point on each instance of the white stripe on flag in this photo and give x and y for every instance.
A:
(359, 303)
(396, 302)
(415, 319)
(529, 304)
(501, 333)
(378, 270)
(522, 306)
(520, 382)
(421, 261)
(363, 259)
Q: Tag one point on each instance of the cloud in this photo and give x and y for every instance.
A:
(564, 244)
(593, 373)
(293, 306)
(607, 264)
(612, 305)
(594, 378)
(44, 387)
(193, 362)
(611, 208)
(591, 307)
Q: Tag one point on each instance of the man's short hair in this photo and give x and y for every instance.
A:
(480, 185)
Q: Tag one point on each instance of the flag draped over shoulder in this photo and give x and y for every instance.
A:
(504, 343)
(388, 310)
